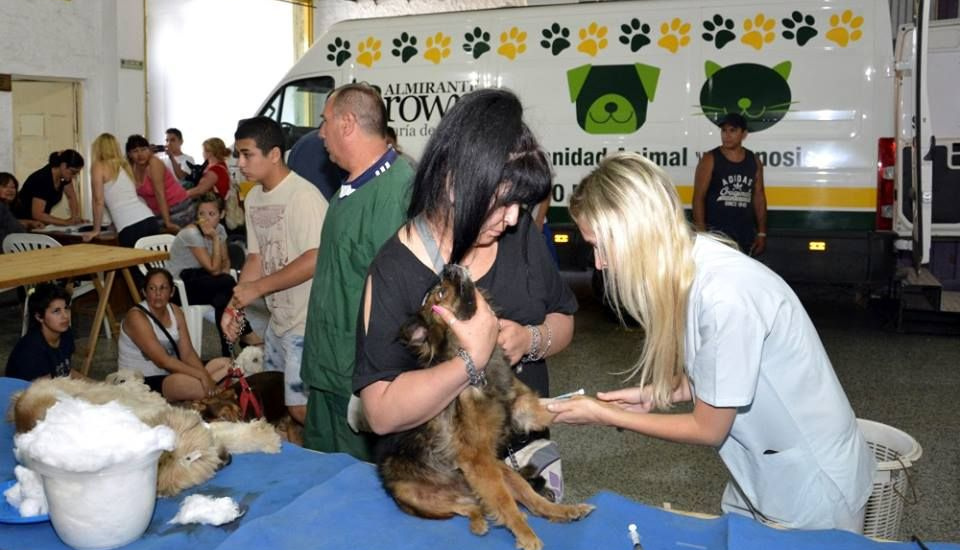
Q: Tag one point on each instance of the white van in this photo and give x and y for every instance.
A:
(815, 80)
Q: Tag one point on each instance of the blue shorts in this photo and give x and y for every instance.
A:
(284, 353)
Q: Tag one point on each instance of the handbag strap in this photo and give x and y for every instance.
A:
(429, 243)
(176, 350)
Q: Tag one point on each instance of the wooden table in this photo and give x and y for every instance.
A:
(48, 264)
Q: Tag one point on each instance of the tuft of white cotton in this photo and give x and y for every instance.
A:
(207, 509)
(26, 495)
(77, 436)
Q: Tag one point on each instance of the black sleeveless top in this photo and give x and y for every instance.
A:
(729, 204)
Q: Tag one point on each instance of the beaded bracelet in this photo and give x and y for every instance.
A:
(476, 377)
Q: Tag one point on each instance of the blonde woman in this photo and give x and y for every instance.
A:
(727, 333)
(216, 177)
(111, 179)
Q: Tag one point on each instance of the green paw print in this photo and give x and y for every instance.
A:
(799, 26)
(476, 42)
(555, 38)
(339, 51)
(719, 30)
(404, 47)
(635, 35)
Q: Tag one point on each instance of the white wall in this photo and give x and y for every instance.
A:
(211, 63)
(81, 45)
(328, 12)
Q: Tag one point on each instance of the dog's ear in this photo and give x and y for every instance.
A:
(576, 78)
(648, 78)
(416, 335)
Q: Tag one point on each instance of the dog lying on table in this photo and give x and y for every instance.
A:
(449, 465)
(200, 450)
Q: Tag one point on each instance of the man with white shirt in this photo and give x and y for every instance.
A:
(175, 159)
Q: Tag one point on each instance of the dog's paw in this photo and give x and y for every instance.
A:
(478, 525)
(529, 542)
(571, 512)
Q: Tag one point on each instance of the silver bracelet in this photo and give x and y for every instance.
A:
(476, 377)
(546, 348)
(534, 351)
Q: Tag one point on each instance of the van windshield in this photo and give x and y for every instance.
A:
(298, 105)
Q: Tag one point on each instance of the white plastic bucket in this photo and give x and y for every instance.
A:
(103, 509)
(895, 452)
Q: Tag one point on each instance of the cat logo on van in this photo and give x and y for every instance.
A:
(757, 92)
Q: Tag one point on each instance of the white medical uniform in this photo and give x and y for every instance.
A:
(794, 448)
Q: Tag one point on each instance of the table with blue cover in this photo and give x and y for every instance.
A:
(302, 499)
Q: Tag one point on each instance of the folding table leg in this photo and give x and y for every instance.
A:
(98, 320)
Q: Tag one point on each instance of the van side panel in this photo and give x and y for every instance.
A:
(814, 81)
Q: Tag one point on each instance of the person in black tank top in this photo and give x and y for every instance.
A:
(728, 193)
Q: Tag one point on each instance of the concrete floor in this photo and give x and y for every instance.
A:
(902, 380)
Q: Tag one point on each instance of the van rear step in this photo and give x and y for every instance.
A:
(924, 306)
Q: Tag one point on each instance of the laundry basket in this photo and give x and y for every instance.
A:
(895, 451)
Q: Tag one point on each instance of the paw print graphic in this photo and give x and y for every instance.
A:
(592, 39)
(512, 43)
(438, 48)
(759, 31)
(368, 52)
(339, 51)
(555, 38)
(476, 42)
(845, 28)
(635, 35)
(718, 30)
(676, 35)
(404, 47)
(799, 26)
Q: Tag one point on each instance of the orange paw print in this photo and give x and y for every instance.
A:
(758, 31)
(438, 47)
(676, 34)
(592, 39)
(512, 43)
(368, 52)
(845, 28)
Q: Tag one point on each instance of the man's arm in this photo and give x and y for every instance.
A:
(292, 274)
(701, 183)
(760, 211)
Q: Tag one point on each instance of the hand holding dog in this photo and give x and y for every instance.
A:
(635, 399)
(514, 338)
(477, 335)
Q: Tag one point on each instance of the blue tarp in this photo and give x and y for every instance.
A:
(301, 499)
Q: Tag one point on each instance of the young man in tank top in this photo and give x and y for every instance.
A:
(728, 193)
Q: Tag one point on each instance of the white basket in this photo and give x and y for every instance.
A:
(895, 451)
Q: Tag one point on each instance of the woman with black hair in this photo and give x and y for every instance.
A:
(158, 186)
(47, 348)
(154, 340)
(45, 188)
(481, 169)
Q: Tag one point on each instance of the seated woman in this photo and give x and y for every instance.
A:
(158, 186)
(216, 177)
(152, 342)
(46, 349)
(112, 184)
(9, 205)
(199, 256)
(45, 188)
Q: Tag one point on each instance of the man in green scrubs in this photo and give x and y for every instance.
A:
(369, 208)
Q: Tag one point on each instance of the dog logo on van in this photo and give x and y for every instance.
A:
(759, 93)
(612, 99)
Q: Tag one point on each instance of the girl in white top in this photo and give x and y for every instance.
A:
(112, 184)
(171, 368)
(726, 332)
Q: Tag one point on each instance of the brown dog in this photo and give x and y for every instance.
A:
(449, 465)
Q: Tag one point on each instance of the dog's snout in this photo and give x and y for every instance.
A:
(610, 107)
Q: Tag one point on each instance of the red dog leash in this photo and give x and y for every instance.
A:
(247, 397)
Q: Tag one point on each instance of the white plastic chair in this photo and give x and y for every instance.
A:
(194, 314)
(23, 242)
